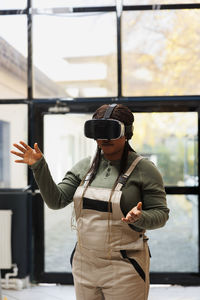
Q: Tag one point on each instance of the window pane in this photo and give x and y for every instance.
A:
(13, 57)
(75, 56)
(170, 141)
(13, 128)
(10, 4)
(161, 52)
(69, 147)
(174, 248)
(72, 3)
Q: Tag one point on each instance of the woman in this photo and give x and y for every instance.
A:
(116, 198)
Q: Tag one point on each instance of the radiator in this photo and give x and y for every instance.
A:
(5, 239)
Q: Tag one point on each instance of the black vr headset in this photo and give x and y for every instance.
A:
(105, 128)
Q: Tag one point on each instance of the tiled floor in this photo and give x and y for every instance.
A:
(58, 292)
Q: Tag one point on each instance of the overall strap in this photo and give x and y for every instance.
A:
(123, 178)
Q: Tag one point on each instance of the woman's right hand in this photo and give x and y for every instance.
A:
(29, 155)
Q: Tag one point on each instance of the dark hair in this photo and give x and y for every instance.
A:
(123, 114)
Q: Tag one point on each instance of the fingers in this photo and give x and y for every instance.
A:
(139, 206)
(22, 149)
(29, 155)
(130, 218)
(17, 153)
(37, 148)
(19, 148)
(21, 161)
(27, 147)
(134, 214)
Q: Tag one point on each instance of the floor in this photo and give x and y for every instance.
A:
(60, 292)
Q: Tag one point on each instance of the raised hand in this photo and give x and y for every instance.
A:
(28, 155)
(134, 214)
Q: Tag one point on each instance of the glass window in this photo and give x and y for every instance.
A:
(75, 56)
(13, 128)
(170, 141)
(72, 3)
(69, 146)
(10, 4)
(160, 52)
(174, 248)
(13, 57)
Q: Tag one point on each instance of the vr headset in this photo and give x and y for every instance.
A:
(105, 128)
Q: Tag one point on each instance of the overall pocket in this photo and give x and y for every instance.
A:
(72, 255)
(135, 264)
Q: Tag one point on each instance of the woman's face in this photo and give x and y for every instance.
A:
(112, 149)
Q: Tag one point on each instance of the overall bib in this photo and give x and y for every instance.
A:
(111, 260)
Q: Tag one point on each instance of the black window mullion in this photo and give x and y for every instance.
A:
(119, 55)
(29, 40)
(162, 6)
(30, 86)
(13, 12)
(93, 9)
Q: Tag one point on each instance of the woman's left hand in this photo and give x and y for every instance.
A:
(134, 214)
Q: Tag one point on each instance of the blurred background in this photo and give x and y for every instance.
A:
(59, 61)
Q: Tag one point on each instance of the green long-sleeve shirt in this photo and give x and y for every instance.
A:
(144, 184)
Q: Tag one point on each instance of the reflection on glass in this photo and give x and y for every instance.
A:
(13, 57)
(174, 248)
(10, 4)
(160, 52)
(69, 146)
(75, 56)
(72, 3)
(60, 239)
(170, 141)
(13, 128)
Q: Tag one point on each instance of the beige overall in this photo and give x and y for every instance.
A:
(111, 260)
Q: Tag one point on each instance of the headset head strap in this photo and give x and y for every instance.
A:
(109, 111)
